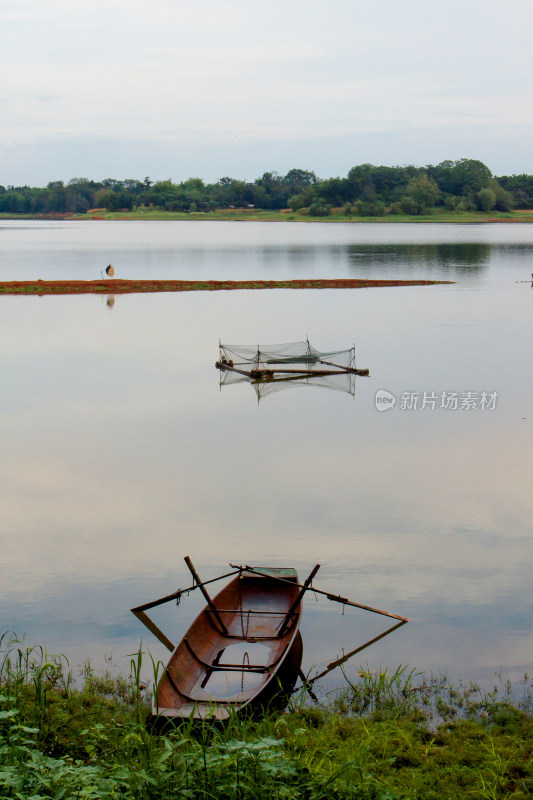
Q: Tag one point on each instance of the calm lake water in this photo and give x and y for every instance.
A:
(120, 453)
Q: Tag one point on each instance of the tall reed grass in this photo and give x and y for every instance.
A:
(384, 735)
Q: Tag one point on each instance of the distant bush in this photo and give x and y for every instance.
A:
(450, 202)
(319, 209)
(504, 199)
(409, 205)
(485, 199)
(370, 208)
(466, 204)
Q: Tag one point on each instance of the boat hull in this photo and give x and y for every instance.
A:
(242, 653)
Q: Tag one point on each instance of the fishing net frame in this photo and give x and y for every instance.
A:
(272, 368)
(290, 354)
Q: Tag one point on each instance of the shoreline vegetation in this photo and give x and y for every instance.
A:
(384, 735)
(283, 215)
(452, 191)
(118, 286)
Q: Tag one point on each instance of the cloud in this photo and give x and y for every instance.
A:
(425, 79)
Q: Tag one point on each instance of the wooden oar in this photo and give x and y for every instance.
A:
(205, 593)
(339, 661)
(333, 597)
(140, 611)
(344, 600)
(296, 603)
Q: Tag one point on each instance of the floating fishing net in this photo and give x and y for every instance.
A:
(343, 382)
(271, 368)
(302, 353)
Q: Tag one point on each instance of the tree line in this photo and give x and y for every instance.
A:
(367, 190)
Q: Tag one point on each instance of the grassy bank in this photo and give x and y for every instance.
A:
(255, 215)
(242, 215)
(383, 737)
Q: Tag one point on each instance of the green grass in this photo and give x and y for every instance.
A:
(437, 215)
(385, 736)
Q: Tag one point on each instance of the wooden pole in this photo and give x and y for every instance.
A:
(344, 658)
(176, 595)
(306, 686)
(305, 372)
(296, 603)
(334, 597)
(152, 627)
(205, 594)
(140, 611)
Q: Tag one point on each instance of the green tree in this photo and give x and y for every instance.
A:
(230, 192)
(335, 191)
(297, 179)
(369, 208)
(301, 200)
(423, 189)
(470, 176)
(520, 187)
(460, 178)
(276, 191)
(486, 199)
(319, 209)
(193, 183)
(504, 199)
(115, 201)
(57, 197)
(409, 205)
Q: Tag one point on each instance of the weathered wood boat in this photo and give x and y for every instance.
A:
(243, 652)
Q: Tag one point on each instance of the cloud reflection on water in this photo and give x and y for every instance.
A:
(121, 455)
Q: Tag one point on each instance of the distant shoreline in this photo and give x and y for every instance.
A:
(253, 215)
(112, 286)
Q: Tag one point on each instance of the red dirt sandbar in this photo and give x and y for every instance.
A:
(113, 286)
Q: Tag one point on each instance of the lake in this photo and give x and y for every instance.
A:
(121, 453)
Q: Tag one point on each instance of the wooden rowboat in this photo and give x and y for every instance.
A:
(246, 650)
(243, 652)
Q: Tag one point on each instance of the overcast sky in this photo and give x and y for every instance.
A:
(208, 88)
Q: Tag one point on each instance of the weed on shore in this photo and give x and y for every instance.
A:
(385, 735)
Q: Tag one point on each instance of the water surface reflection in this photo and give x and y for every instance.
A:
(120, 454)
(460, 256)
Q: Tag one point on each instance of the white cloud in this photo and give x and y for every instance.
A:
(277, 73)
